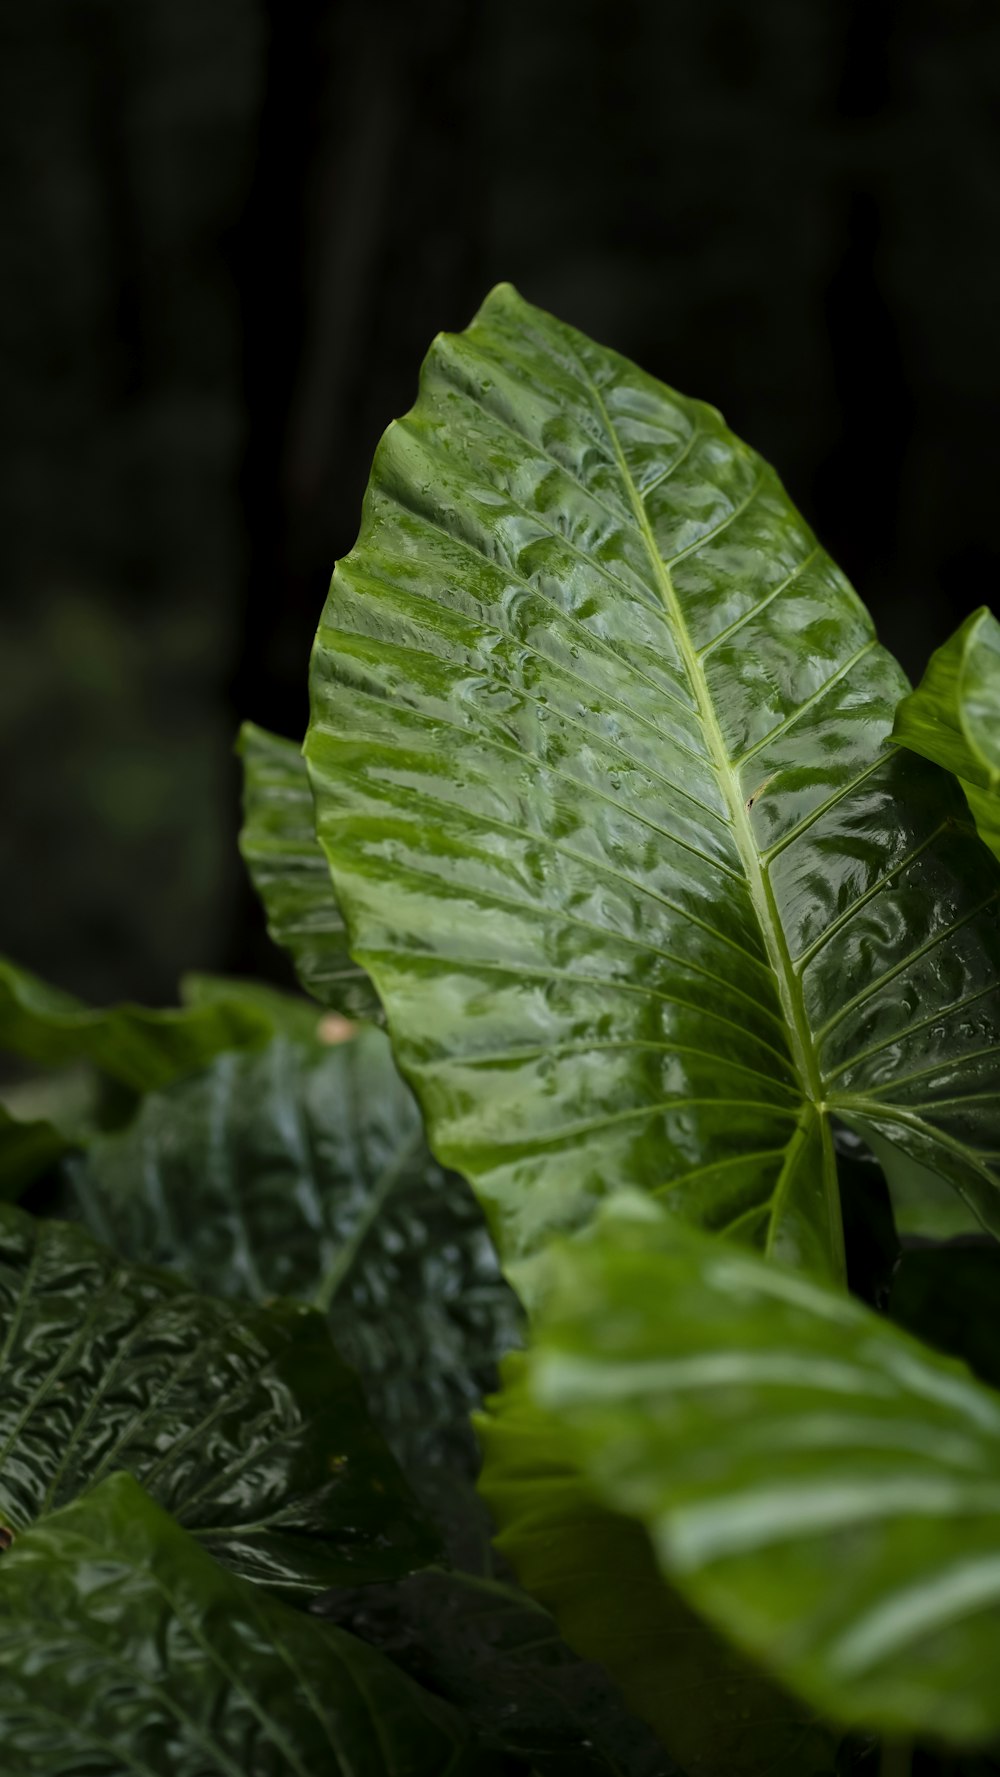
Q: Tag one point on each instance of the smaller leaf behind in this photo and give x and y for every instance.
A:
(28, 1148)
(820, 1486)
(240, 1421)
(291, 875)
(953, 717)
(287, 1014)
(125, 1647)
(304, 1172)
(138, 1047)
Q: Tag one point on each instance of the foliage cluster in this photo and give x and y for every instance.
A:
(644, 1085)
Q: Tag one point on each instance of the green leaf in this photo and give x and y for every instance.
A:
(240, 1421)
(497, 1656)
(923, 1205)
(291, 874)
(125, 1648)
(28, 1148)
(712, 1710)
(820, 1486)
(131, 1044)
(598, 746)
(953, 717)
(286, 1014)
(305, 1173)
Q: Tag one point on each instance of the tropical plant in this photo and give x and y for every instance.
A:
(648, 932)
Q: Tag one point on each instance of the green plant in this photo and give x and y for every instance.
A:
(618, 835)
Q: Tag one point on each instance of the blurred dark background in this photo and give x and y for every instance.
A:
(229, 230)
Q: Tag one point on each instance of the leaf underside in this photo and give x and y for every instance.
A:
(240, 1421)
(598, 753)
(819, 1486)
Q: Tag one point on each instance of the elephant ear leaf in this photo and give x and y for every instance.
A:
(818, 1485)
(598, 746)
(125, 1647)
(953, 717)
(290, 873)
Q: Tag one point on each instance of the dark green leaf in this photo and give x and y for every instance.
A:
(498, 1657)
(131, 1044)
(125, 1648)
(305, 1173)
(598, 746)
(291, 874)
(819, 1485)
(241, 1421)
(953, 717)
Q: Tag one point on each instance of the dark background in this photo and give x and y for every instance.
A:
(228, 231)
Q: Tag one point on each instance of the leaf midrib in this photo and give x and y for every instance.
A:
(803, 1054)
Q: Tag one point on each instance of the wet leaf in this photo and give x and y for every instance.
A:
(241, 1421)
(820, 1486)
(125, 1647)
(599, 751)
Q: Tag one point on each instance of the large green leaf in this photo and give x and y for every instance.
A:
(598, 749)
(305, 1173)
(291, 874)
(125, 1648)
(953, 717)
(823, 1488)
(241, 1421)
(497, 1656)
(132, 1044)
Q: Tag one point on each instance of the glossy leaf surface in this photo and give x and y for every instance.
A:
(125, 1648)
(241, 1421)
(953, 717)
(823, 1488)
(291, 875)
(132, 1044)
(598, 746)
(496, 1655)
(305, 1173)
